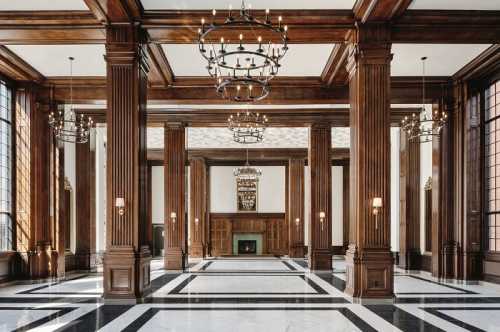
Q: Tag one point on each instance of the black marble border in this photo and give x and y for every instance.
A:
(347, 313)
(289, 266)
(60, 312)
(319, 290)
(436, 311)
(34, 289)
(462, 291)
(402, 319)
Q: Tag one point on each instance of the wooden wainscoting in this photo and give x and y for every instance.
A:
(272, 226)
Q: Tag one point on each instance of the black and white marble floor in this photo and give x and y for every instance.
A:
(250, 294)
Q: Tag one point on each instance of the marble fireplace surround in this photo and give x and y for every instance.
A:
(247, 236)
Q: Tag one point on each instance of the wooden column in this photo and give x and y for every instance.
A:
(41, 263)
(85, 207)
(175, 228)
(127, 257)
(409, 196)
(320, 229)
(473, 228)
(296, 208)
(345, 205)
(443, 246)
(197, 206)
(369, 259)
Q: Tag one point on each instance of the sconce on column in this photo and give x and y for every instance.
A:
(120, 204)
(297, 223)
(322, 216)
(173, 216)
(377, 205)
(196, 222)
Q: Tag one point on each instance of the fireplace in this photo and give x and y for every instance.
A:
(247, 247)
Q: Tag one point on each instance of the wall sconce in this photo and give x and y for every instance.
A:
(377, 205)
(297, 223)
(173, 216)
(196, 222)
(322, 216)
(120, 204)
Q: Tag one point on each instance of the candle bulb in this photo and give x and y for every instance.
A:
(259, 39)
(230, 10)
(240, 48)
(267, 15)
(202, 25)
(222, 44)
(279, 21)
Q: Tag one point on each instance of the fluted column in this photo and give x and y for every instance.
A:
(175, 189)
(409, 220)
(296, 208)
(127, 258)
(197, 206)
(369, 259)
(320, 229)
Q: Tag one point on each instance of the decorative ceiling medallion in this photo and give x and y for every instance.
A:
(243, 53)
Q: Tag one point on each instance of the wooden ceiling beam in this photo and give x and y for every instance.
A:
(335, 71)
(16, 68)
(305, 26)
(285, 91)
(292, 117)
(116, 11)
(50, 27)
(161, 74)
(447, 26)
(379, 10)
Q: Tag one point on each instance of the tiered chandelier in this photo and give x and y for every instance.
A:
(241, 71)
(422, 127)
(246, 174)
(69, 126)
(247, 127)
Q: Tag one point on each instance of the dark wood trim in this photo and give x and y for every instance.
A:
(379, 10)
(161, 73)
(247, 215)
(16, 68)
(335, 70)
(483, 65)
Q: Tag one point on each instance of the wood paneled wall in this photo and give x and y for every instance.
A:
(272, 226)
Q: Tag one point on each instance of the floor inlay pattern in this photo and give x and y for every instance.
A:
(249, 294)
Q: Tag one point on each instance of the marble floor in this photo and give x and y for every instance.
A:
(249, 294)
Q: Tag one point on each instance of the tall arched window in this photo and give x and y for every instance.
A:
(5, 167)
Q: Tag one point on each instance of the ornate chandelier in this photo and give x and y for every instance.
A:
(246, 174)
(422, 126)
(242, 72)
(247, 127)
(68, 126)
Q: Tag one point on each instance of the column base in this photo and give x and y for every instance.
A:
(196, 250)
(43, 261)
(126, 273)
(173, 259)
(320, 259)
(296, 251)
(410, 260)
(369, 274)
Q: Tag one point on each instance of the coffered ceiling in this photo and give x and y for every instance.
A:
(301, 60)
(456, 4)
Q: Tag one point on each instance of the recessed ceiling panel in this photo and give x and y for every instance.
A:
(259, 4)
(456, 4)
(211, 138)
(52, 60)
(301, 60)
(442, 59)
(43, 5)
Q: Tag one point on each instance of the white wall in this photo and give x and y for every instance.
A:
(271, 189)
(337, 208)
(425, 173)
(307, 204)
(100, 185)
(395, 140)
(157, 194)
